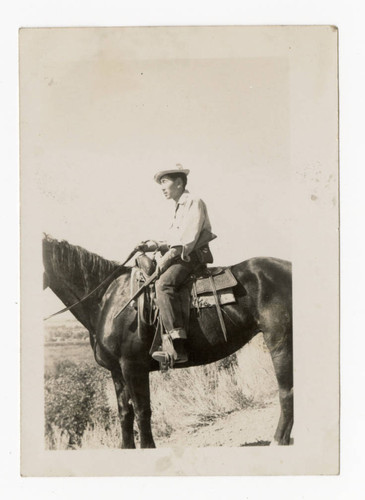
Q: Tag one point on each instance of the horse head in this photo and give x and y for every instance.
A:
(72, 272)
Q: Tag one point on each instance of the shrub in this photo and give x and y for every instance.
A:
(76, 399)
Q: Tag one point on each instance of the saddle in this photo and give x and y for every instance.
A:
(208, 281)
(206, 287)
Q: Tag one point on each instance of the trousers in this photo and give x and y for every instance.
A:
(168, 296)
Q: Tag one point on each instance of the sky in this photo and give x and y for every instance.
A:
(103, 110)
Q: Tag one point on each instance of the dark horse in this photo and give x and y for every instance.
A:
(263, 303)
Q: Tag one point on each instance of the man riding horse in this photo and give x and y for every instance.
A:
(262, 302)
(185, 249)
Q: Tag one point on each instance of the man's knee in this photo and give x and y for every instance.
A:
(163, 286)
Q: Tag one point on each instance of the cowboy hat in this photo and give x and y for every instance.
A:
(178, 170)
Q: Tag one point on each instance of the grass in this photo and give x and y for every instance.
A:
(77, 352)
(180, 398)
(195, 396)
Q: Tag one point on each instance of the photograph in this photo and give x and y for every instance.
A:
(179, 250)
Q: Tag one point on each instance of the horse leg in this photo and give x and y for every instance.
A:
(125, 410)
(282, 357)
(136, 376)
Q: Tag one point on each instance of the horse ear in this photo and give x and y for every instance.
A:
(45, 281)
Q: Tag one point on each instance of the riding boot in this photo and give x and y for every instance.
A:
(181, 354)
(172, 348)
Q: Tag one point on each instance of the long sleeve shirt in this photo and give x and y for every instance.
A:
(190, 219)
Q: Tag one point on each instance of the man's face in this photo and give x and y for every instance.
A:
(171, 189)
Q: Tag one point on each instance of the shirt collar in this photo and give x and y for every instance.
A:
(183, 198)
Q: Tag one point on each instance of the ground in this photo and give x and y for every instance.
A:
(249, 427)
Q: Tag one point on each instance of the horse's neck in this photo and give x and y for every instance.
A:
(69, 297)
(72, 274)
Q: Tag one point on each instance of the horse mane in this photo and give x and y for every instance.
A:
(85, 267)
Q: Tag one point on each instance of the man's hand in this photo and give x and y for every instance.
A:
(152, 246)
(147, 246)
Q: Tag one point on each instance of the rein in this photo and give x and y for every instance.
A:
(95, 289)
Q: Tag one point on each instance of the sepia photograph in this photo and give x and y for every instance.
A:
(180, 252)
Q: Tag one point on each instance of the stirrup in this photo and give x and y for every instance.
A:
(166, 361)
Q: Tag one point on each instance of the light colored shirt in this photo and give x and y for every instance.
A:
(190, 219)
